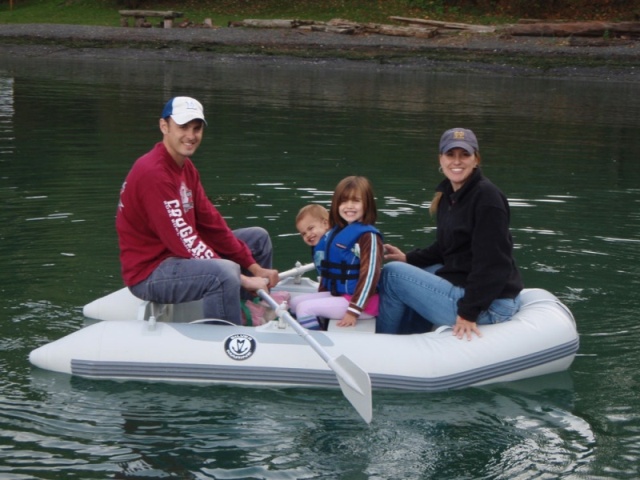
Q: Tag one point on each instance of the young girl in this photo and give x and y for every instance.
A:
(349, 259)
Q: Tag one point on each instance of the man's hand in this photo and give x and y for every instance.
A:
(253, 284)
(270, 275)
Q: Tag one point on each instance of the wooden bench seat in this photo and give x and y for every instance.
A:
(140, 17)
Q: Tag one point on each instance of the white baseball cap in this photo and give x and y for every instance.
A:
(183, 109)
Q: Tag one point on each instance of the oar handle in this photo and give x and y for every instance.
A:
(299, 269)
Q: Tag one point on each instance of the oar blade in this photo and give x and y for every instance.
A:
(355, 384)
(354, 381)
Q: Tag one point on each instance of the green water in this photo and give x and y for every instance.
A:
(279, 136)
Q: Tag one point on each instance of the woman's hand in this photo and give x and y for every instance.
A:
(465, 328)
(394, 253)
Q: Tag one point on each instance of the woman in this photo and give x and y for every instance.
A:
(468, 276)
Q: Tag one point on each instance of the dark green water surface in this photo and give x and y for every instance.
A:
(279, 136)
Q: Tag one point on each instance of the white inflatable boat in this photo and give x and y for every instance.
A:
(142, 341)
(139, 340)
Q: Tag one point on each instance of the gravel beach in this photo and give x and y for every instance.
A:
(495, 54)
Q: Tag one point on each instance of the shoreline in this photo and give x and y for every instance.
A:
(492, 54)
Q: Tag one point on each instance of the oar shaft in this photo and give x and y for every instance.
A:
(300, 270)
(354, 381)
(300, 330)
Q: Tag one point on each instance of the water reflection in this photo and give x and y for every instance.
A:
(523, 429)
(6, 117)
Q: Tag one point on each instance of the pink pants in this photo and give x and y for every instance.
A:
(323, 304)
(319, 304)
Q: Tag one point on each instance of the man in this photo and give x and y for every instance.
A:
(174, 245)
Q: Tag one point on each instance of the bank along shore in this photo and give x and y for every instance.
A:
(481, 53)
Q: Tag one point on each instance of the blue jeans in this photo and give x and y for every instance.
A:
(411, 296)
(215, 281)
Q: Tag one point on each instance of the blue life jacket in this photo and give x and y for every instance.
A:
(318, 255)
(337, 256)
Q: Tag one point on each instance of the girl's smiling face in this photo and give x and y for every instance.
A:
(351, 209)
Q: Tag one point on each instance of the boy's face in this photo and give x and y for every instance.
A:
(312, 229)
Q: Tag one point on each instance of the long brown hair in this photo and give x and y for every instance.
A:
(353, 187)
(433, 208)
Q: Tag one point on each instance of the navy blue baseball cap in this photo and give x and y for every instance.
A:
(459, 138)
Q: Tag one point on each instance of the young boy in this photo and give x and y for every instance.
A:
(312, 222)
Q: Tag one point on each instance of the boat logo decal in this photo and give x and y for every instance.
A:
(240, 346)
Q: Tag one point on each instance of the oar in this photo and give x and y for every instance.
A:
(297, 270)
(354, 381)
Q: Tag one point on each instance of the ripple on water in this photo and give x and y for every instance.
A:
(82, 426)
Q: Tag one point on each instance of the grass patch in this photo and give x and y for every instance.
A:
(221, 12)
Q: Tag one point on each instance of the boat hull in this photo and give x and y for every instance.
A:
(540, 339)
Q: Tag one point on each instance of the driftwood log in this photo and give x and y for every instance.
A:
(402, 31)
(340, 26)
(447, 25)
(423, 28)
(383, 29)
(275, 23)
(579, 29)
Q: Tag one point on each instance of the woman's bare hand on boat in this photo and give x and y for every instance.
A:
(394, 253)
(465, 328)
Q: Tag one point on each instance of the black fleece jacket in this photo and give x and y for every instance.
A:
(473, 244)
